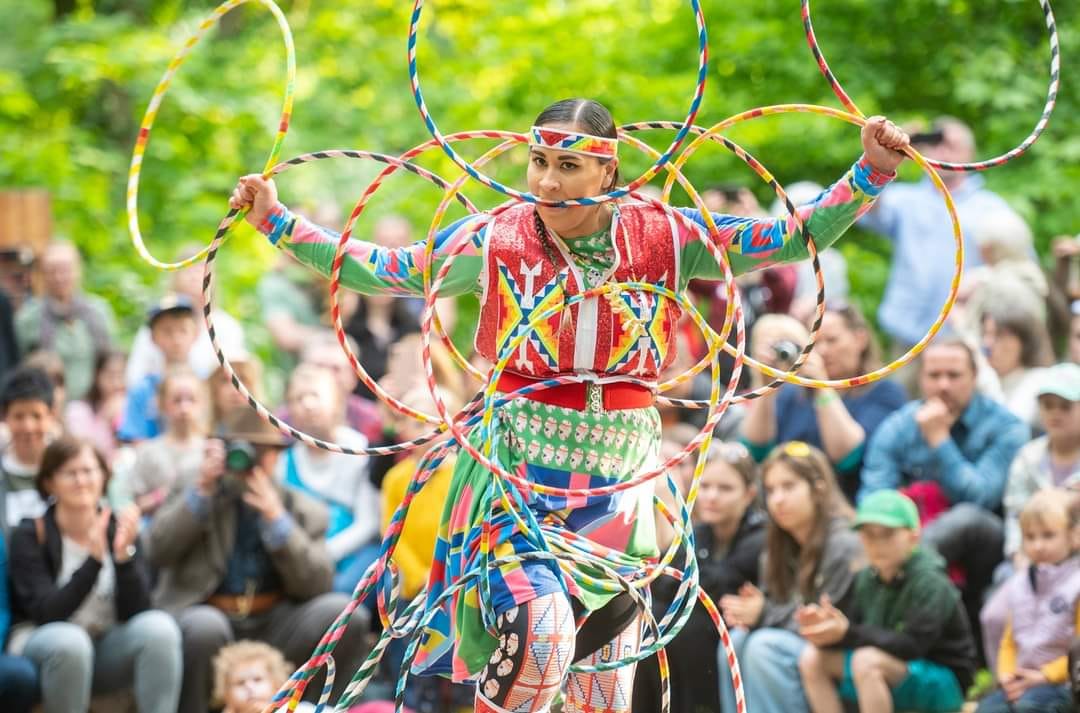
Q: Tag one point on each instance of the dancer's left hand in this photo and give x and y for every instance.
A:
(882, 143)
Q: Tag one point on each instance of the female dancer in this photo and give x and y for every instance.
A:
(582, 435)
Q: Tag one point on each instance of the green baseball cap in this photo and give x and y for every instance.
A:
(889, 508)
(1061, 380)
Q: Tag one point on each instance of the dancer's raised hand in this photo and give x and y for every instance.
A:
(883, 142)
(257, 193)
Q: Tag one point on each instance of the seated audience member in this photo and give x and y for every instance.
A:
(84, 595)
(98, 416)
(224, 397)
(290, 310)
(177, 453)
(1032, 662)
(415, 549)
(338, 481)
(240, 557)
(1009, 274)
(53, 366)
(146, 357)
(361, 414)
(905, 643)
(950, 452)
(64, 319)
(810, 552)
(1017, 347)
(247, 674)
(18, 676)
(730, 536)
(833, 264)
(172, 329)
(26, 399)
(1050, 461)
(838, 422)
(377, 324)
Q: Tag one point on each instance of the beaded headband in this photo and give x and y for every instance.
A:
(574, 142)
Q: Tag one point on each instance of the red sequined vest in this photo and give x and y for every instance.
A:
(520, 281)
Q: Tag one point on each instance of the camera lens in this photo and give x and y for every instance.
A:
(786, 351)
(239, 457)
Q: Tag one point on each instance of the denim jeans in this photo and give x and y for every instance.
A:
(769, 663)
(18, 683)
(142, 653)
(1040, 699)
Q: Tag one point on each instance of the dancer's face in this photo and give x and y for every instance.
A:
(561, 175)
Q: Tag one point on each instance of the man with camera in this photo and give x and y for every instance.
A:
(242, 558)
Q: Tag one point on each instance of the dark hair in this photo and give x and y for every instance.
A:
(26, 384)
(60, 452)
(586, 115)
(855, 321)
(955, 342)
(789, 565)
(1029, 329)
(94, 395)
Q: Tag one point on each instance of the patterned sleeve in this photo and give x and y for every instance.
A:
(755, 243)
(373, 269)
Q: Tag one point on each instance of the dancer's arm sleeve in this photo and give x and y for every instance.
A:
(755, 243)
(374, 269)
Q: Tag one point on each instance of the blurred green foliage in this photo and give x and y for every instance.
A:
(75, 78)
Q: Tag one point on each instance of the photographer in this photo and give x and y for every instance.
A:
(241, 558)
(839, 423)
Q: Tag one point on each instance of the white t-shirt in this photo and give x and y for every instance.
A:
(21, 499)
(343, 480)
(97, 613)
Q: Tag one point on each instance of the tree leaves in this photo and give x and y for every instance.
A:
(72, 92)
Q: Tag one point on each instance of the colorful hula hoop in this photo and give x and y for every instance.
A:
(433, 129)
(472, 430)
(1040, 125)
(143, 138)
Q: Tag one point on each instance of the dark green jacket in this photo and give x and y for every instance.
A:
(918, 615)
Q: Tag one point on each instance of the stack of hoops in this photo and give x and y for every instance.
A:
(571, 551)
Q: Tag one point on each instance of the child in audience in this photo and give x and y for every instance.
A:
(247, 674)
(1032, 665)
(905, 644)
(176, 455)
(173, 330)
(26, 400)
(338, 481)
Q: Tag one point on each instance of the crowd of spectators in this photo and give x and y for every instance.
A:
(912, 540)
(875, 547)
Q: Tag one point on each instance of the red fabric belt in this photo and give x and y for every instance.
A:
(614, 396)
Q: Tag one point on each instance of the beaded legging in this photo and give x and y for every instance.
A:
(536, 647)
